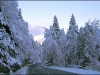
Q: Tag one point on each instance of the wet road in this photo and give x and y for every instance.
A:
(39, 69)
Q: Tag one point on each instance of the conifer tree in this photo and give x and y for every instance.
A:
(20, 14)
(56, 25)
(71, 42)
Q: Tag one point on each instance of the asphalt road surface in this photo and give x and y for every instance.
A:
(39, 69)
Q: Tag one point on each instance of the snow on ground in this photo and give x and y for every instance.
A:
(75, 70)
(22, 70)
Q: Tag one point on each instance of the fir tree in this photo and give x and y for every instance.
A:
(71, 43)
(56, 25)
(20, 14)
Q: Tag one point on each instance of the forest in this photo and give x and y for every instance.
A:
(76, 47)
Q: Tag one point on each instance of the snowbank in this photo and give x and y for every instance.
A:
(75, 70)
(22, 70)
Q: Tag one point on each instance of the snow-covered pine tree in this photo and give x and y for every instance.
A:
(53, 30)
(16, 44)
(56, 25)
(8, 60)
(88, 44)
(80, 46)
(49, 32)
(71, 42)
(20, 14)
(92, 45)
(96, 26)
(51, 52)
(50, 45)
(62, 43)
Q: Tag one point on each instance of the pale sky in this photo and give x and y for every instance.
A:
(40, 14)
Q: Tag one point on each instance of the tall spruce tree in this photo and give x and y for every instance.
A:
(56, 25)
(80, 46)
(51, 50)
(71, 43)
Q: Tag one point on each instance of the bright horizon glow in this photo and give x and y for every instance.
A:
(40, 14)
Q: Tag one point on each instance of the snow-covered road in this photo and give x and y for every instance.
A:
(74, 70)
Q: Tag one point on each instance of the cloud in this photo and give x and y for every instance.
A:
(36, 30)
(39, 38)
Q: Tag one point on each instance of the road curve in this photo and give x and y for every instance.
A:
(38, 69)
